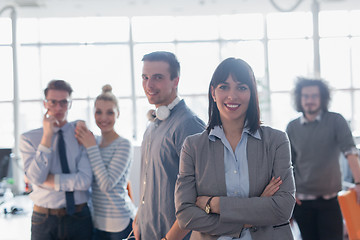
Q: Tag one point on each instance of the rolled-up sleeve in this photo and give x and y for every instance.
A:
(36, 159)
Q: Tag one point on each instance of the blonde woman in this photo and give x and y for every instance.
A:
(110, 158)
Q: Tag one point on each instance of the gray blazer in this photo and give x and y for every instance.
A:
(202, 173)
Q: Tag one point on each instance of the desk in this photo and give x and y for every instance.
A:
(16, 226)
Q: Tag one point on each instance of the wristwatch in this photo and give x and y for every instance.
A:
(207, 206)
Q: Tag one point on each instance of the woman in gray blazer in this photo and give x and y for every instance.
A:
(225, 170)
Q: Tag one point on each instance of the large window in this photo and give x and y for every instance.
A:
(91, 52)
(339, 53)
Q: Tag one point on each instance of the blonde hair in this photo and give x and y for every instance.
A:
(107, 95)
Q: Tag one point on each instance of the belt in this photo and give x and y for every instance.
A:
(57, 211)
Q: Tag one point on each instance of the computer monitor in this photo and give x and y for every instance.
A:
(5, 156)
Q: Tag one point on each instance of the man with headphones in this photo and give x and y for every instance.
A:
(170, 124)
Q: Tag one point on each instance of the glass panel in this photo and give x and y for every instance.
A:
(6, 74)
(355, 54)
(143, 107)
(139, 51)
(335, 62)
(29, 74)
(6, 125)
(88, 68)
(62, 30)
(289, 25)
(199, 105)
(354, 23)
(31, 115)
(264, 102)
(197, 28)
(198, 62)
(28, 30)
(238, 26)
(124, 125)
(282, 110)
(90, 29)
(106, 29)
(287, 60)
(153, 29)
(250, 51)
(341, 103)
(5, 33)
(81, 110)
(334, 23)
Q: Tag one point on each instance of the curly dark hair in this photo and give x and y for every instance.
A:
(307, 82)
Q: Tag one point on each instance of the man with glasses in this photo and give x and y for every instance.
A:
(317, 138)
(59, 171)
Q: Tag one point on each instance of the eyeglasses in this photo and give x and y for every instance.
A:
(310, 96)
(63, 103)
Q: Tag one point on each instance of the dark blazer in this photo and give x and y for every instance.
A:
(202, 173)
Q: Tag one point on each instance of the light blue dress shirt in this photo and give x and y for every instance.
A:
(39, 161)
(160, 152)
(236, 169)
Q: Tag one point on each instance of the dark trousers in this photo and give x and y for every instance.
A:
(102, 235)
(51, 227)
(319, 219)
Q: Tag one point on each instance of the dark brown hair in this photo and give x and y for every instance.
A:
(58, 85)
(168, 57)
(240, 71)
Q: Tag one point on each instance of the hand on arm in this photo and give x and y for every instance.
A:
(84, 135)
(81, 178)
(272, 187)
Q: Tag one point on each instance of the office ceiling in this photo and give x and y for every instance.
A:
(66, 8)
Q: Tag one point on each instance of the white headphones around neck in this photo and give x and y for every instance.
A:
(162, 112)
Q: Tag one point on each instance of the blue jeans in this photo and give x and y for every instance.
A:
(51, 227)
(102, 235)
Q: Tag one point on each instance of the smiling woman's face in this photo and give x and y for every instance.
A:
(105, 115)
(232, 99)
